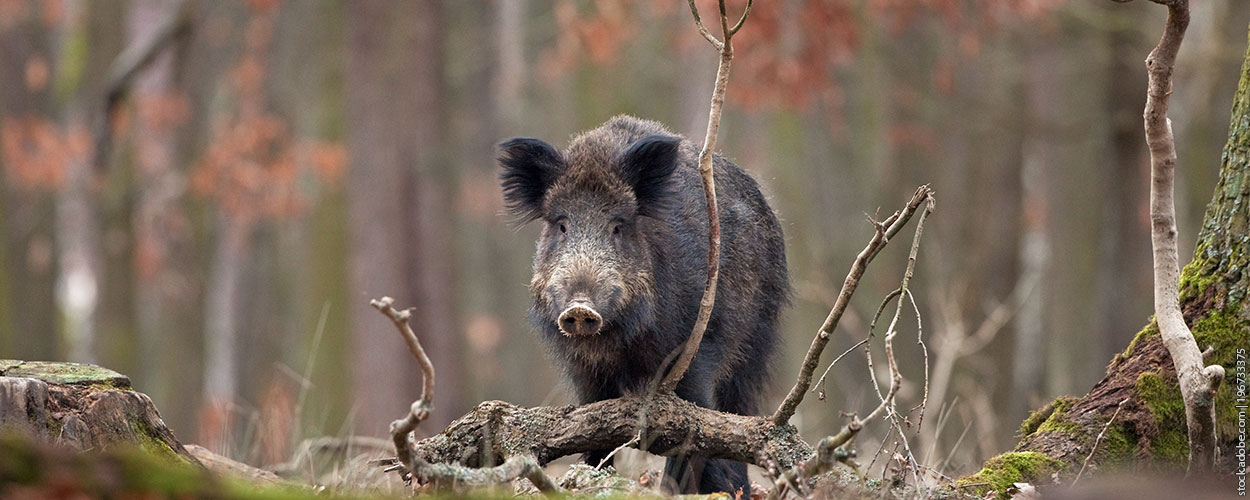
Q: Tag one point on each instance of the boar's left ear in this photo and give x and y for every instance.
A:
(647, 166)
(530, 166)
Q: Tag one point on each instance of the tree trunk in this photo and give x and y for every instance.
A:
(383, 375)
(399, 208)
(1150, 430)
(431, 282)
(162, 237)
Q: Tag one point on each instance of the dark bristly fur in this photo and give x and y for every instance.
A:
(625, 230)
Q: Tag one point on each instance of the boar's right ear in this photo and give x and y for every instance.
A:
(530, 166)
(647, 166)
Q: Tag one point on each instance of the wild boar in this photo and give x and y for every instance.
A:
(621, 265)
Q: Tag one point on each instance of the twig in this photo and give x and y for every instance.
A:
(823, 458)
(924, 399)
(871, 328)
(401, 318)
(446, 475)
(420, 409)
(726, 51)
(1198, 385)
(886, 230)
(637, 439)
(1098, 440)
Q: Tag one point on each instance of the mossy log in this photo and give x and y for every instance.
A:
(1149, 433)
(83, 407)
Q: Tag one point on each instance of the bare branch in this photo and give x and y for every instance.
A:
(924, 400)
(830, 448)
(737, 26)
(1195, 382)
(698, 21)
(706, 157)
(128, 64)
(401, 318)
(420, 409)
(892, 225)
(871, 328)
(896, 377)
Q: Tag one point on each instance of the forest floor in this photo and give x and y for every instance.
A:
(30, 470)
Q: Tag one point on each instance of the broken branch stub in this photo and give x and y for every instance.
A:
(446, 475)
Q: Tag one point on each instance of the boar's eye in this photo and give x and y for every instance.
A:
(562, 228)
(616, 230)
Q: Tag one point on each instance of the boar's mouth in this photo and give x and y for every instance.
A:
(580, 319)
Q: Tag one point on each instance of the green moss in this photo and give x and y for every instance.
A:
(1012, 467)
(1151, 330)
(153, 446)
(1035, 419)
(1118, 445)
(65, 373)
(1224, 333)
(18, 463)
(1050, 418)
(1199, 274)
(1171, 447)
(1061, 426)
(1217, 262)
(1163, 398)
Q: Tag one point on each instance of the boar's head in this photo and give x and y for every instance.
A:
(602, 206)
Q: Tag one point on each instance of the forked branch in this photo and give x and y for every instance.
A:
(885, 231)
(832, 449)
(706, 156)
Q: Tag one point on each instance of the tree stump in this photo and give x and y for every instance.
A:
(83, 407)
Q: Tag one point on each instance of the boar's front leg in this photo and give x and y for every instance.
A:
(590, 390)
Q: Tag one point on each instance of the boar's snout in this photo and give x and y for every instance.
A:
(580, 318)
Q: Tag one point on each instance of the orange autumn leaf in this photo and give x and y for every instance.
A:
(36, 152)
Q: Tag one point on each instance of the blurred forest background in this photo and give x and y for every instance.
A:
(217, 232)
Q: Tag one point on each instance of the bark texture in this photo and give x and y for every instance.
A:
(668, 425)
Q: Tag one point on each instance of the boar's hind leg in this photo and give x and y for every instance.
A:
(727, 476)
(593, 458)
(695, 474)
